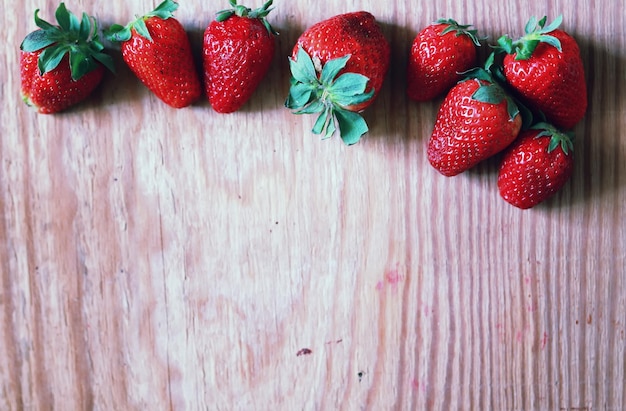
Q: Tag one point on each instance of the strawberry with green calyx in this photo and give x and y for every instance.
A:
(476, 120)
(536, 166)
(545, 68)
(338, 66)
(60, 65)
(238, 49)
(440, 53)
(157, 50)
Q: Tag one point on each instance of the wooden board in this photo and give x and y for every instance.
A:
(153, 258)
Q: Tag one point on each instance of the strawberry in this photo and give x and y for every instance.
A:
(157, 50)
(238, 49)
(440, 53)
(545, 68)
(537, 165)
(338, 66)
(476, 120)
(61, 65)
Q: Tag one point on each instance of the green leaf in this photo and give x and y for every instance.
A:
(80, 64)
(63, 17)
(85, 27)
(494, 94)
(141, 29)
(332, 68)
(490, 93)
(165, 10)
(316, 106)
(106, 60)
(224, 15)
(299, 95)
(50, 58)
(118, 33)
(321, 122)
(302, 69)
(552, 26)
(37, 40)
(42, 24)
(551, 40)
(348, 84)
(351, 126)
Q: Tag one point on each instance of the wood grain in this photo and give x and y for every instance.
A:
(154, 258)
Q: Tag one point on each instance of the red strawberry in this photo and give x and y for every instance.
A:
(546, 69)
(338, 67)
(61, 65)
(536, 166)
(476, 120)
(438, 56)
(238, 50)
(157, 50)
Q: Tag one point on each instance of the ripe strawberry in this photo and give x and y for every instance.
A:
(157, 50)
(545, 68)
(61, 65)
(536, 166)
(440, 53)
(237, 53)
(338, 67)
(476, 120)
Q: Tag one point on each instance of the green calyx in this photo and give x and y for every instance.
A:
(119, 33)
(329, 95)
(491, 90)
(460, 30)
(76, 37)
(243, 11)
(558, 138)
(535, 32)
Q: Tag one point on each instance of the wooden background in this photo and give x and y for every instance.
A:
(157, 259)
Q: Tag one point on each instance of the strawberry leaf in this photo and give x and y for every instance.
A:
(460, 30)
(330, 94)
(78, 37)
(492, 93)
(332, 68)
(351, 126)
(243, 11)
(165, 10)
(536, 33)
(565, 140)
(119, 33)
(302, 69)
(348, 85)
(42, 24)
(141, 29)
(300, 95)
(38, 40)
(51, 57)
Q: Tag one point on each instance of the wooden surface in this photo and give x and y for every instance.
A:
(157, 259)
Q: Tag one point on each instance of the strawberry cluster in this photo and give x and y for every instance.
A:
(338, 66)
(62, 64)
(524, 102)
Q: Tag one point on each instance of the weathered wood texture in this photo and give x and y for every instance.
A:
(153, 258)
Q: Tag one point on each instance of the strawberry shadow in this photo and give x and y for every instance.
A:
(393, 117)
(597, 145)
